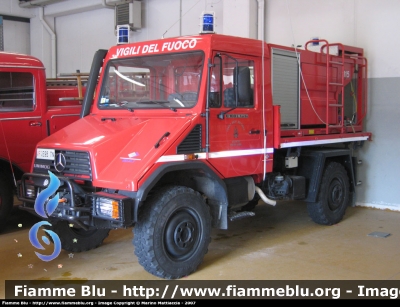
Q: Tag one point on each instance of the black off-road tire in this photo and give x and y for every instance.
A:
(77, 239)
(333, 196)
(6, 201)
(173, 232)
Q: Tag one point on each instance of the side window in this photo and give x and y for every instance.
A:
(232, 81)
(238, 80)
(216, 84)
(16, 92)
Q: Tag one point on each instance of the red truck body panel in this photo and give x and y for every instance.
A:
(23, 127)
(114, 145)
(17, 60)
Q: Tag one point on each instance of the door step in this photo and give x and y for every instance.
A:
(240, 215)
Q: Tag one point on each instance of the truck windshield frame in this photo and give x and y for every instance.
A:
(161, 81)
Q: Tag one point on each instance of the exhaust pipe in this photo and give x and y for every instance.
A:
(264, 197)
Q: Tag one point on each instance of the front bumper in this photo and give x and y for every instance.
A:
(77, 204)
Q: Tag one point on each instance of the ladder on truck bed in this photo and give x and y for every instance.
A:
(345, 54)
(70, 79)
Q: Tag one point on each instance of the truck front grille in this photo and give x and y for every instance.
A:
(74, 164)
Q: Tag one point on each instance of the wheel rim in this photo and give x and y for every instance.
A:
(182, 234)
(336, 194)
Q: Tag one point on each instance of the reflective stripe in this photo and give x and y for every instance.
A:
(173, 158)
(220, 154)
(319, 142)
(236, 153)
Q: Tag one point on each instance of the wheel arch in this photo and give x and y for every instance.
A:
(5, 170)
(173, 232)
(312, 165)
(7, 190)
(196, 175)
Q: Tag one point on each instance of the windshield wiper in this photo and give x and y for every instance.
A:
(159, 102)
(179, 102)
(121, 105)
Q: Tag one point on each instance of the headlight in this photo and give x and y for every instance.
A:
(30, 191)
(113, 207)
(107, 207)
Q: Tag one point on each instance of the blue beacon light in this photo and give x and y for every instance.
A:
(207, 22)
(122, 34)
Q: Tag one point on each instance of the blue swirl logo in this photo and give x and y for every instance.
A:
(45, 207)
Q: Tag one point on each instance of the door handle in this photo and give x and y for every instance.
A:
(252, 131)
(32, 124)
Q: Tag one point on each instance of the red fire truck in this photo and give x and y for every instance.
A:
(31, 108)
(189, 133)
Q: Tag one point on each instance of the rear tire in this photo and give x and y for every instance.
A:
(333, 196)
(173, 232)
(77, 239)
(6, 201)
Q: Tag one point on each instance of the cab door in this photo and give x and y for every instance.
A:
(20, 115)
(235, 123)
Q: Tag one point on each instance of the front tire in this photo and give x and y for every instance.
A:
(333, 196)
(173, 232)
(77, 239)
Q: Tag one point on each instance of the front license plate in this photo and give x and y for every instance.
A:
(45, 154)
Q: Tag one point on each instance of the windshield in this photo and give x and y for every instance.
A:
(152, 82)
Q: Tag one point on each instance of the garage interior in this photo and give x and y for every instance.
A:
(280, 242)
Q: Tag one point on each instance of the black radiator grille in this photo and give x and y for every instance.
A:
(76, 165)
(192, 143)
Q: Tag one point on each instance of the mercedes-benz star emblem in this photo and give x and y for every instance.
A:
(60, 162)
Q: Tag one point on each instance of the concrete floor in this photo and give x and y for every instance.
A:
(278, 243)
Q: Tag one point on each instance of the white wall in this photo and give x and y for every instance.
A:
(11, 7)
(81, 27)
(377, 25)
(240, 18)
(93, 30)
(19, 43)
(295, 22)
(369, 24)
(86, 32)
(42, 42)
(16, 34)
